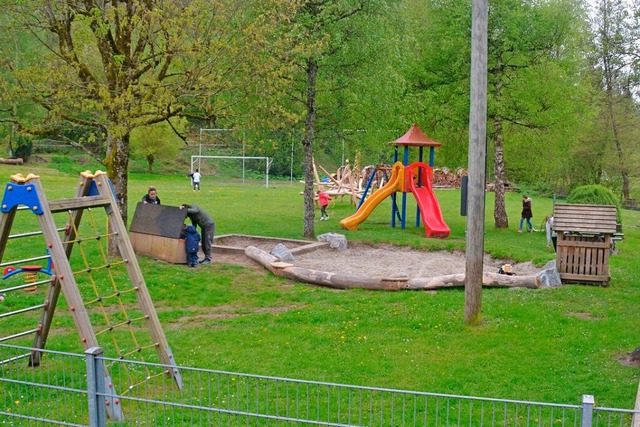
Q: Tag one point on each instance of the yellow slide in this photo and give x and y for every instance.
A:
(395, 184)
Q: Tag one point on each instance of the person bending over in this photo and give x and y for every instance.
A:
(200, 218)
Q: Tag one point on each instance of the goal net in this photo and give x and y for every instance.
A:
(223, 151)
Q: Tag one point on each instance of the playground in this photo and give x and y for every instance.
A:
(384, 338)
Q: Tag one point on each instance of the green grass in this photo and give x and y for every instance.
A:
(543, 345)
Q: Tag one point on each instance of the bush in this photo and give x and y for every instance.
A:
(22, 148)
(595, 195)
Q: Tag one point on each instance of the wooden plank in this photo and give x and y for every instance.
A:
(583, 265)
(162, 248)
(582, 244)
(68, 239)
(584, 278)
(77, 203)
(142, 243)
(569, 260)
(64, 274)
(589, 261)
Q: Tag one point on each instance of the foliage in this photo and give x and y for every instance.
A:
(562, 92)
(22, 147)
(532, 91)
(317, 48)
(119, 68)
(283, 148)
(615, 56)
(595, 195)
(157, 141)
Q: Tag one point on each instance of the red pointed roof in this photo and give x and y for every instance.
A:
(416, 138)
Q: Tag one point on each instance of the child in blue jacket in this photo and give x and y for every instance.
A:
(192, 244)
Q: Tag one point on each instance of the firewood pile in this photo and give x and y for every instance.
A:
(448, 178)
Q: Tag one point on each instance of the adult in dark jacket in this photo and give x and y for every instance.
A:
(200, 218)
(151, 197)
(526, 214)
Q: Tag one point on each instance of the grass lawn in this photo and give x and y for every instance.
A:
(542, 345)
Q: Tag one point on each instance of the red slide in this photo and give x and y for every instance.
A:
(427, 202)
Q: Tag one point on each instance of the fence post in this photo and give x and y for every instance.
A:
(95, 388)
(587, 410)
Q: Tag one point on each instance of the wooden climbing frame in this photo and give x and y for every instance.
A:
(94, 191)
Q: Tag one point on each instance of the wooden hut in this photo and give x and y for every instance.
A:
(584, 242)
(155, 232)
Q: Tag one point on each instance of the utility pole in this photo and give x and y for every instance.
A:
(477, 165)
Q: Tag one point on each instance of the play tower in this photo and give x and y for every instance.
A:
(415, 178)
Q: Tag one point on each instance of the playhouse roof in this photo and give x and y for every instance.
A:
(416, 138)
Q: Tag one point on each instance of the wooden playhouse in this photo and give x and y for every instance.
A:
(584, 242)
(155, 232)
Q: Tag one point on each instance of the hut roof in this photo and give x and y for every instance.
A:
(416, 138)
(585, 218)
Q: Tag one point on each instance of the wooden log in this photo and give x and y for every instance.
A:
(491, 280)
(17, 161)
(361, 281)
(338, 184)
(332, 280)
(315, 174)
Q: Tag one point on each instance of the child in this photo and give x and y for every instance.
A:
(552, 236)
(195, 179)
(191, 243)
(324, 202)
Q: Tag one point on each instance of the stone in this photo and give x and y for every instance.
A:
(336, 241)
(282, 252)
(549, 276)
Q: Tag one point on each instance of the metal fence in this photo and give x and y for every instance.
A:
(69, 389)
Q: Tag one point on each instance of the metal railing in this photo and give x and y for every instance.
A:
(69, 389)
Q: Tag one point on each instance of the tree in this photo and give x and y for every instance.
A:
(532, 69)
(158, 141)
(617, 55)
(120, 65)
(310, 54)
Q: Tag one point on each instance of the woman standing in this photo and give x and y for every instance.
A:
(526, 214)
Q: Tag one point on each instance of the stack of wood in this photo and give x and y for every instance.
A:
(447, 178)
(351, 181)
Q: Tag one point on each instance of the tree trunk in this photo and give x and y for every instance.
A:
(117, 162)
(307, 146)
(499, 211)
(622, 164)
(118, 170)
(150, 159)
(616, 39)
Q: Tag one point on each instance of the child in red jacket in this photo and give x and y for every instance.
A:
(323, 198)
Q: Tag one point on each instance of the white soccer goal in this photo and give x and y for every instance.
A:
(268, 160)
(228, 148)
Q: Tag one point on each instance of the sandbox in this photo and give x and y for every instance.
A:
(381, 267)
